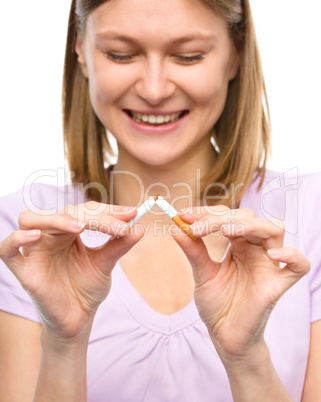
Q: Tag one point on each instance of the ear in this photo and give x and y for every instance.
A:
(235, 60)
(79, 49)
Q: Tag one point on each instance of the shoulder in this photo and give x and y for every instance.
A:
(274, 180)
(37, 196)
(295, 200)
(292, 198)
(282, 192)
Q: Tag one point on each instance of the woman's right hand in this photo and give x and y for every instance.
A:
(66, 279)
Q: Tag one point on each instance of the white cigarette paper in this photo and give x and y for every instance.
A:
(142, 210)
(166, 207)
(173, 214)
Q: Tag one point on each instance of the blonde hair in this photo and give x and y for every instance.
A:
(242, 132)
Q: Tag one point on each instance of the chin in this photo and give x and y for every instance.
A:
(157, 156)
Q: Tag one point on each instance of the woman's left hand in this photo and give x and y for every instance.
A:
(236, 296)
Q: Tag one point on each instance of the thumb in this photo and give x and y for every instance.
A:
(106, 256)
(297, 265)
(204, 268)
(9, 249)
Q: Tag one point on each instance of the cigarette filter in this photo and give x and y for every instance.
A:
(173, 214)
(142, 210)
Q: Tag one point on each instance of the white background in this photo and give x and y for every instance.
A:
(32, 51)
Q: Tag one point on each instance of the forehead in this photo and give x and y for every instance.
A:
(169, 18)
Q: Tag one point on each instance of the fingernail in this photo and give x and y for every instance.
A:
(228, 229)
(75, 224)
(274, 253)
(186, 211)
(196, 226)
(225, 229)
(128, 209)
(34, 233)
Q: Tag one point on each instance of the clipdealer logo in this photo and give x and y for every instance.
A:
(283, 189)
(278, 194)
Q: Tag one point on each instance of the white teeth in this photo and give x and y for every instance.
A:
(155, 119)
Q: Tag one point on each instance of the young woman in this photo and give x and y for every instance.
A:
(146, 313)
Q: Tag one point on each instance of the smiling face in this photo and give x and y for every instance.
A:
(158, 76)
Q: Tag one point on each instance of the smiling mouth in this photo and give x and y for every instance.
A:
(155, 120)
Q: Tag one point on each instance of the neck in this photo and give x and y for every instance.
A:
(132, 181)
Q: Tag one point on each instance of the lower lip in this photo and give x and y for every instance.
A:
(157, 130)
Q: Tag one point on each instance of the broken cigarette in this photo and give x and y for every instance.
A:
(173, 214)
(142, 210)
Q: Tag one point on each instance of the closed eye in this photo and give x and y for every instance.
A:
(189, 59)
(120, 58)
(181, 59)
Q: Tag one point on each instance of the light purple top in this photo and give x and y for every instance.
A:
(137, 354)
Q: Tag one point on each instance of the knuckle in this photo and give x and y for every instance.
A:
(249, 213)
(308, 266)
(279, 226)
(69, 210)
(305, 263)
(210, 226)
(220, 220)
(3, 247)
(222, 208)
(91, 205)
(292, 255)
(13, 239)
(92, 208)
(24, 217)
(217, 210)
(8, 245)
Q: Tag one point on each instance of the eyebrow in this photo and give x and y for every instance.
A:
(184, 39)
(192, 37)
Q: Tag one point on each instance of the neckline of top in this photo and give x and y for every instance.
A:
(142, 312)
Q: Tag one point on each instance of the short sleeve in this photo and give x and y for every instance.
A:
(310, 217)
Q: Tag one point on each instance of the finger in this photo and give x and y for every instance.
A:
(211, 222)
(262, 232)
(106, 256)
(94, 209)
(297, 265)
(196, 213)
(9, 247)
(204, 268)
(65, 223)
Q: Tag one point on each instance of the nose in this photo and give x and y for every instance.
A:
(154, 84)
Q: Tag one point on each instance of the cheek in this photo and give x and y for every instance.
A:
(101, 87)
(105, 88)
(208, 81)
(107, 83)
(208, 90)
